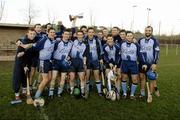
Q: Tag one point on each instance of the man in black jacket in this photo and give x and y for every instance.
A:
(22, 63)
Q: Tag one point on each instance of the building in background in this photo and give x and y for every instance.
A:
(10, 33)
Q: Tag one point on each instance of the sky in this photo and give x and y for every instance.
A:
(163, 13)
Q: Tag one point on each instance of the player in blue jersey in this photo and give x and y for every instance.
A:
(130, 54)
(94, 58)
(35, 55)
(61, 62)
(122, 34)
(79, 55)
(45, 46)
(112, 59)
(150, 49)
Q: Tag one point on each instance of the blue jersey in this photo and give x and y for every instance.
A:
(62, 50)
(111, 54)
(93, 49)
(130, 52)
(38, 37)
(45, 46)
(150, 49)
(79, 50)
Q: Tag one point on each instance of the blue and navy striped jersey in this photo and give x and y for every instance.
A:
(150, 49)
(79, 50)
(111, 54)
(62, 49)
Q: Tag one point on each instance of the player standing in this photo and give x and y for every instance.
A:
(45, 46)
(130, 54)
(150, 49)
(94, 58)
(22, 63)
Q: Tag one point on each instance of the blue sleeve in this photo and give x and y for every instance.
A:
(140, 55)
(143, 55)
(39, 45)
(69, 54)
(86, 52)
(56, 45)
(139, 40)
(156, 51)
(117, 55)
(101, 48)
(105, 55)
(55, 48)
(38, 37)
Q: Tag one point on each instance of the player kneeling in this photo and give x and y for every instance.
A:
(111, 60)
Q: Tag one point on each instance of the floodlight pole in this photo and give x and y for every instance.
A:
(148, 10)
(132, 24)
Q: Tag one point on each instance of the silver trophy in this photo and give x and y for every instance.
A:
(72, 17)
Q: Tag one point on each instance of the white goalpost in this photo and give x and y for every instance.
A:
(167, 47)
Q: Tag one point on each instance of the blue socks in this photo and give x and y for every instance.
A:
(133, 88)
(98, 85)
(87, 86)
(142, 92)
(38, 94)
(123, 83)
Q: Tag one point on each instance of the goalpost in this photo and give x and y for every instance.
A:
(171, 46)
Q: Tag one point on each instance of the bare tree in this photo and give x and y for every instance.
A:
(30, 13)
(2, 5)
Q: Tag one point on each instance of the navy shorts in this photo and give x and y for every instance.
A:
(129, 67)
(56, 65)
(76, 65)
(94, 65)
(45, 66)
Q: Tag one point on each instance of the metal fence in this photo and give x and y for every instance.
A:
(170, 49)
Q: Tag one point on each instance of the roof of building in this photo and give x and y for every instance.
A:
(15, 25)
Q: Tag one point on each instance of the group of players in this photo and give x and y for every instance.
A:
(68, 55)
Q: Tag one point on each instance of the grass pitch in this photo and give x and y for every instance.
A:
(166, 107)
